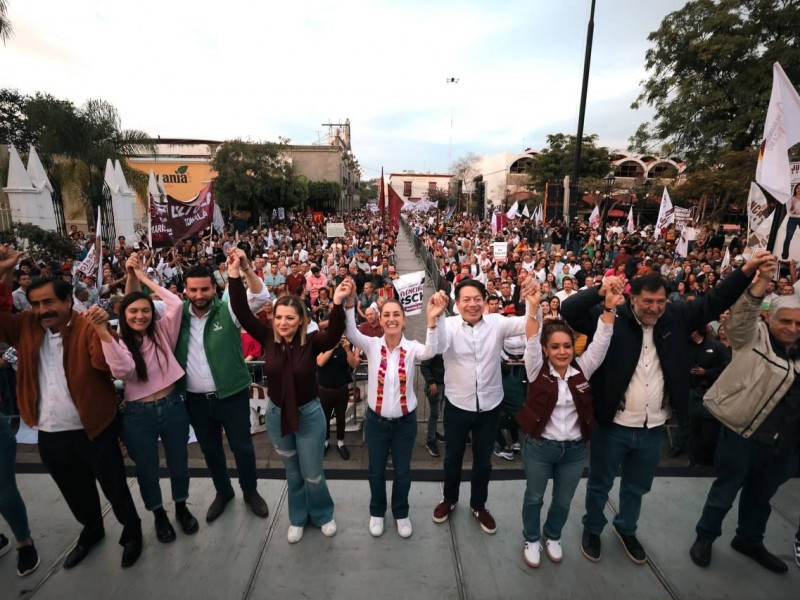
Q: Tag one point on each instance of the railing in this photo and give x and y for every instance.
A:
(431, 268)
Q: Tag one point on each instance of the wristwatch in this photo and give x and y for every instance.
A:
(613, 311)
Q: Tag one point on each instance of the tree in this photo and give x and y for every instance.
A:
(5, 25)
(14, 125)
(710, 74)
(39, 243)
(324, 195)
(256, 176)
(465, 168)
(555, 161)
(368, 190)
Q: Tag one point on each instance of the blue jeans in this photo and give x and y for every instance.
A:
(633, 451)
(142, 424)
(755, 468)
(563, 461)
(302, 454)
(11, 505)
(384, 435)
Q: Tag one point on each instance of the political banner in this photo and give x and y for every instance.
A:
(682, 216)
(334, 230)
(500, 250)
(173, 221)
(410, 289)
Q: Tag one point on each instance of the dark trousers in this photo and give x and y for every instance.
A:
(209, 415)
(458, 424)
(792, 223)
(755, 468)
(74, 462)
(705, 430)
(382, 436)
(508, 423)
(634, 453)
(334, 400)
(12, 508)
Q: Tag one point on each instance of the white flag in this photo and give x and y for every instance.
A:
(525, 212)
(666, 214)
(594, 218)
(726, 260)
(512, 212)
(781, 132)
(494, 223)
(98, 247)
(631, 225)
(540, 216)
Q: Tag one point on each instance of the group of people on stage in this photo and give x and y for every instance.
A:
(182, 364)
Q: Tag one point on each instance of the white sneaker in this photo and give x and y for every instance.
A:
(295, 534)
(376, 526)
(553, 550)
(329, 529)
(404, 528)
(533, 554)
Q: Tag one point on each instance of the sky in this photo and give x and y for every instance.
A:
(260, 70)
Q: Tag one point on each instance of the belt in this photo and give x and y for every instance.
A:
(382, 418)
(206, 395)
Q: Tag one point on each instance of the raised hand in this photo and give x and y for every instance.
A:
(614, 284)
(133, 263)
(8, 259)
(762, 260)
(343, 291)
(436, 304)
(96, 316)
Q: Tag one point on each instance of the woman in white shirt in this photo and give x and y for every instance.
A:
(558, 419)
(391, 419)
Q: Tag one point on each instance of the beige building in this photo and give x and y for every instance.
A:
(414, 187)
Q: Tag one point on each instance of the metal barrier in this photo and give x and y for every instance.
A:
(431, 268)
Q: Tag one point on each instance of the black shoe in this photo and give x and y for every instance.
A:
(590, 546)
(432, 447)
(76, 555)
(759, 554)
(217, 507)
(439, 437)
(165, 533)
(675, 452)
(27, 560)
(131, 551)
(5, 545)
(188, 523)
(701, 551)
(633, 548)
(257, 504)
(344, 452)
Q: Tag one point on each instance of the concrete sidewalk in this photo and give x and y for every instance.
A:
(241, 556)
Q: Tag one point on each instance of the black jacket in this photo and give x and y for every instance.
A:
(671, 336)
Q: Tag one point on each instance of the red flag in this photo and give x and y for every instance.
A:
(395, 202)
(382, 199)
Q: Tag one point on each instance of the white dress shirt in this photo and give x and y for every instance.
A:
(57, 410)
(644, 398)
(371, 346)
(563, 424)
(472, 359)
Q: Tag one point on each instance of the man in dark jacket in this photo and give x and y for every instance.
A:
(646, 374)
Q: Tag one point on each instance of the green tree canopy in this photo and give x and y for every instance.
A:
(5, 24)
(324, 195)
(710, 74)
(368, 190)
(555, 161)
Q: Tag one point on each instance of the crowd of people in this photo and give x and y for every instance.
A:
(568, 339)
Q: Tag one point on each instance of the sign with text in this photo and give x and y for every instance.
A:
(173, 220)
(500, 250)
(334, 230)
(410, 290)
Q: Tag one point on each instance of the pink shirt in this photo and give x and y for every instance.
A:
(162, 368)
(313, 284)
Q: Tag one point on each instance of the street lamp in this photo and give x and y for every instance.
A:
(608, 186)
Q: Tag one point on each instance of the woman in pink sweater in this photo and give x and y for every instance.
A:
(143, 358)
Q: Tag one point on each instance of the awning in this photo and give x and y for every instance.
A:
(616, 214)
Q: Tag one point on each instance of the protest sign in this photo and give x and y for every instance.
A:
(410, 289)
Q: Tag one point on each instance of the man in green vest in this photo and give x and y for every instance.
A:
(217, 382)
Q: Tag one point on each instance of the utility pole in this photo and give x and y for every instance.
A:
(452, 115)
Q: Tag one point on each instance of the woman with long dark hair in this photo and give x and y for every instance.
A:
(143, 357)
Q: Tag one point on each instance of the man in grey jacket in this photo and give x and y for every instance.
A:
(757, 400)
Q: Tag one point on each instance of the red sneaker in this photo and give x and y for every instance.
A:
(442, 511)
(485, 519)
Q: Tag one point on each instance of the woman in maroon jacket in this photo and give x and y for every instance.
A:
(295, 420)
(558, 420)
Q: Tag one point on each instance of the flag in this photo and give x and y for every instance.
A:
(395, 204)
(756, 207)
(512, 212)
(631, 226)
(540, 214)
(270, 240)
(781, 132)
(666, 214)
(98, 248)
(217, 221)
(594, 218)
(382, 198)
(494, 223)
(526, 213)
(726, 260)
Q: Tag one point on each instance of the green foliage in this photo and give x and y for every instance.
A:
(710, 74)
(256, 176)
(39, 243)
(14, 126)
(324, 195)
(368, 190)
(5, 25)
(440, 196)
(555, 161)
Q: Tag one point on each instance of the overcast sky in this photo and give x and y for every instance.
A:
(259, 70)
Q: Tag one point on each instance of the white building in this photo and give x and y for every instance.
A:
(504, 178)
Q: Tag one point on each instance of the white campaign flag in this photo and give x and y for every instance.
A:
(525, 212)
(512, 212)
(98, 246)
(666, 214)
(726, 260)
(494, 223)
(540, 217)
(631, 225)
(756, 208)
(781, 132)
(594, 218)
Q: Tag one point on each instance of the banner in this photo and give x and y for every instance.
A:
(334, 230)
(666, 214)
(174, 220)
(682, 216)
(500, 250)
(787, 244)
(410, 289)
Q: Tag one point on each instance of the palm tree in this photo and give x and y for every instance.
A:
(5, 25)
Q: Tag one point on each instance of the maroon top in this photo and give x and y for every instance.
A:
(284, 358)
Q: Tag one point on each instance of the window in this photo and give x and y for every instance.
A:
(431, 188)
(406, 188)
